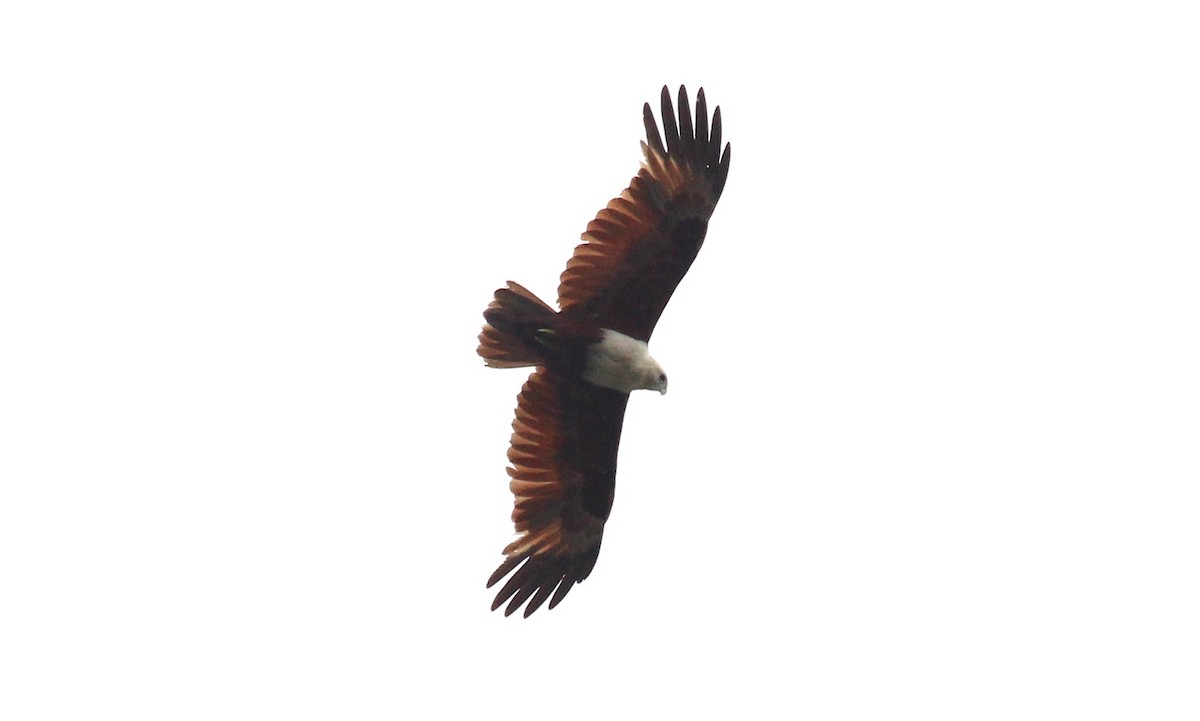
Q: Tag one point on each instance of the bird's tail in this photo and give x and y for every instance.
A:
(515, 319)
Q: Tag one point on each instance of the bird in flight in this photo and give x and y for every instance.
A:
(592, 352)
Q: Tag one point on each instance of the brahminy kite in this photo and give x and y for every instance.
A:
(593, 351)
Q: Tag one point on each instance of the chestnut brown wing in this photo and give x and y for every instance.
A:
(563, 464)
(639, 247)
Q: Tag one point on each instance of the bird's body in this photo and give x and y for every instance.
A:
(593, 352)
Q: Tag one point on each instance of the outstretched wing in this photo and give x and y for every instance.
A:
(638, 248)
(563, 465)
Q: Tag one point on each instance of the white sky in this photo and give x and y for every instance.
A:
(930, 449)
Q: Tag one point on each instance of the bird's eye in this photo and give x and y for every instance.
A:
(662, 377)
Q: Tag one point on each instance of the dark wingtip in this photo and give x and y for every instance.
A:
(670, 128)
(652, 136)
(687, 136)
(722, 170)
(502, 570)
(701, 120)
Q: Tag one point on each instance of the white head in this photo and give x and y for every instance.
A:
(623, 364)
(654, 378)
